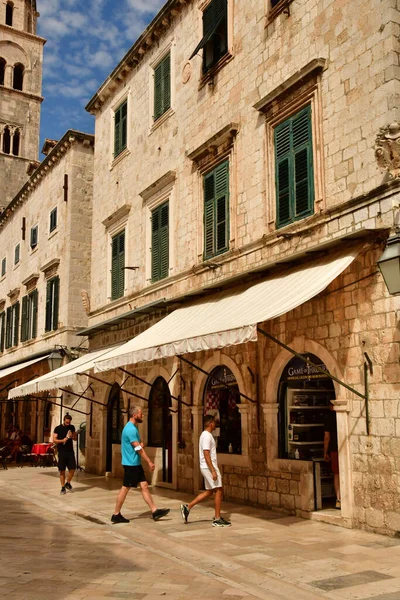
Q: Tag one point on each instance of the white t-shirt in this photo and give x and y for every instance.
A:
(207, 442)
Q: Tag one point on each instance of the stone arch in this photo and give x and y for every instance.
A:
(18, 76)
(219, 358)
(16, 142)
(6, 140)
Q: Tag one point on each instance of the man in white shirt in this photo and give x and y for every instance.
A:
(209, 470)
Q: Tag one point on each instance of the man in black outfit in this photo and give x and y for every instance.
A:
(63, 436)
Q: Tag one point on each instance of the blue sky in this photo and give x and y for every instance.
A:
(85, 41)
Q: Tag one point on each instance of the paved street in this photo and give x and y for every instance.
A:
(64, 547)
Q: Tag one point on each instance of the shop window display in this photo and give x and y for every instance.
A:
(221, 399)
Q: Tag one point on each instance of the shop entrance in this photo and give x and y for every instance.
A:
(221, 399)
(160, 425)
(304, 414)
(115, 422)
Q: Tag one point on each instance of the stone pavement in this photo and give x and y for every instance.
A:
(64, 547)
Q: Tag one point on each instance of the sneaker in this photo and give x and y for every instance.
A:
(119, 519)
(221, 523)
(185, 512)
(159, 513)
(338, 504)
(63, 491)
(68, 487)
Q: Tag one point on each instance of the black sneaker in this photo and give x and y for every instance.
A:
(119, 519)
(185, 512)
(159, 513)
(68, 487)
(63, 490)
(221, 523)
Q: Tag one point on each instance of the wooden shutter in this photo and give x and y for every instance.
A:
(293, 165)
(49, 286)
(8, 327)
(162, 87)
(2, 330)
(34, 313)
(56, 302)
(25, 319)
(222, 204)
(158, 99)
(303, 163)
(213, 16)
(34, 236)
(120, 128)
(117, 266)
(53, 219)
(117, 132)
(155, 244)
(124, 124)
(209, 216)
(16, 323)
(164, 240)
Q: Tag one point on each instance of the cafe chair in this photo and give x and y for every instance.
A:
(4, 457)
(48, 459)
(26, 457)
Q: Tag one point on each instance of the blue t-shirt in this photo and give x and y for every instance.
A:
(130, 433)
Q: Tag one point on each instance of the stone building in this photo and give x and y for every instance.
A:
(245, 185)
(21, 61)
(45, 248)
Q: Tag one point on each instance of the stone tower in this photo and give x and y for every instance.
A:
(21, 60)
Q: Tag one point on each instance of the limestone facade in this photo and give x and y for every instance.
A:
(340, 59)
(45, 235)
(21, 64)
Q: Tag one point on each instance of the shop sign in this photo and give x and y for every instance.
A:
(221, 377)
(298, 370)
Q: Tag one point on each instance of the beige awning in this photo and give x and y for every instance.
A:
(228, 319)
(22, 365)
(67, 375)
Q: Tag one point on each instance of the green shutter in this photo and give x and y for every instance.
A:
(24, 319)
(34, 312)
(16, 323)
(160, 242)
(117, 266)
(2, 330)
(56, 302)
(162, 87)
(294, 168)
(216, 211)
(155, 245)
(48, 319)
(120, 128)
(8, 328)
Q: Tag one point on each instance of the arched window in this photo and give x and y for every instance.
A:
(2, 70)
(221, 399)
(160, 425)
(115, 422)
(18, 76)
(9, 13)
(16, 143)
(6, 141)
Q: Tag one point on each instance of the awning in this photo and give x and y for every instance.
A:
(22, 365)
(228, 319)
(66, 375)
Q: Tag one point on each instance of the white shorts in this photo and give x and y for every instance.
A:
(209, 481)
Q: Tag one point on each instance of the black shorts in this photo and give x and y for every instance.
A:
(133, 476)
(66, 460)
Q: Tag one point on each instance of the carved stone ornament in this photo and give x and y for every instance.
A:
(186, 72)
(85, 301)
(387, 149)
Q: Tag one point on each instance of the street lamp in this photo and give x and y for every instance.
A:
(389, 264)
(55, 360)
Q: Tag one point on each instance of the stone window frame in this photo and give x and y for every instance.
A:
(170, 48)
(272, 11)
(218, 148)
(17, 254)
(155, 195)
(54, 229)
(208, 77)
(34, 247)
(3, 267)
(301, 89)
(115, 224)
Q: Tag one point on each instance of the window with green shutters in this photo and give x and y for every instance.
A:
(52, 304)
(118, 266)
(214, 42)
(216, 211)
(120, 128)
(294, 168)
(53, 220)
(29, 316)
(17, 254)
(160, 242)
(12, 326)
(34, 236)
(3, 266)
(162, 87)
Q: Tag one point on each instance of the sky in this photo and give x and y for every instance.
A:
(86, 39)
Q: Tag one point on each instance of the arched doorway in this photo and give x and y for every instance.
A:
(115, 422)
(304, 405)
(160, 425)
(221, 399)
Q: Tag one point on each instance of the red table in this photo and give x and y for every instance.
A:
(41, 448)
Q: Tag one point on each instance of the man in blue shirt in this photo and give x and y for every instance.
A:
(132, 454)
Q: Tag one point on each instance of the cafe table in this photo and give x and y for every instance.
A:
(40, 449)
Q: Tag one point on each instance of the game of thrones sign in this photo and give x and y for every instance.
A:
(298, 370)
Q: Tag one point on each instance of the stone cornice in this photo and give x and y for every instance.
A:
(29, 95)
(159, 25)
(45, 167)
(21, 33)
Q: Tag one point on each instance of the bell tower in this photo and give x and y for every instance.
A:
(21, 63)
